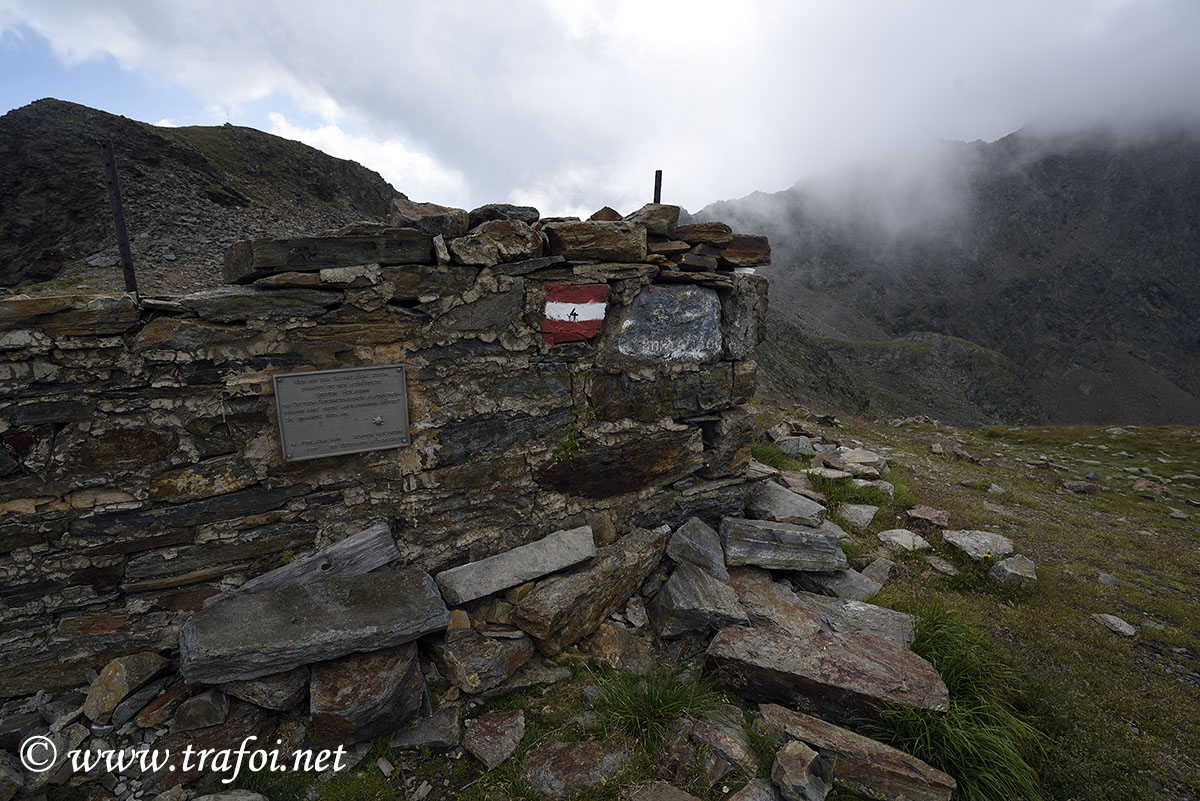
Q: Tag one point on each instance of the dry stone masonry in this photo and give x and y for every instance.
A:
(141, 468)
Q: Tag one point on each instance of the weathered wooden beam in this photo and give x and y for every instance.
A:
(256, 258)
(354, 556)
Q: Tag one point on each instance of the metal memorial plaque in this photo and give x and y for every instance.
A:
(334, 412)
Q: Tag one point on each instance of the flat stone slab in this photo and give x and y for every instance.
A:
(858, 515)
(902, 539)
(279, 691)
(560, 770)
(692, 601)
(1115, 625)
(475, 663)
(780, 546)
(979, 545)
(837, 614)
(770, 605)
(671, 324)
(493, 737)
(848, 584)
(552, 553)
(839, 676)
(769, 501)
(438, 731)
(267, 632)
(862, 765)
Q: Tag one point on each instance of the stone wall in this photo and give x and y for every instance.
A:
(140, 462)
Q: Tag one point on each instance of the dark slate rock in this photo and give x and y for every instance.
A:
(637, 460)
(692, 601)
(560, 770)
(744, 315)
(848, 584)
(562, 609)
(837, 614)
(616, 396)
(770, 501)
(493, 737)
(780, 546)
(839, 676)
(209, 708)
(117, 680)
(234, 304)
(135, 702)
(258, 634)
(696, 543)
(495, 433)
(502, 211)
(671, 324)
(440, 730)
(862, 765)
(185, 515)
(361, 696)
(279, 691)
(492, 312)
(8, 465)
(475, 663)
(800, 773)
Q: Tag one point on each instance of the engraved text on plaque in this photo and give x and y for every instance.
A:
(333, 412)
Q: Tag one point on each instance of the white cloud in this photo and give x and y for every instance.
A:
(578, 101)
(415, 174)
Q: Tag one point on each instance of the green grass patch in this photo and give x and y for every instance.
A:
(981, 740)
(770, 455)
(645, 708)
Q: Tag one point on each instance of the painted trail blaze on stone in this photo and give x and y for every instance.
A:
(574, 312)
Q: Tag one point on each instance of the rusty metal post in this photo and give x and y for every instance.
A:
(658, 186)
(114, 199)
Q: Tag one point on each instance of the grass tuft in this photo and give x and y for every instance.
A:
(647, 707)
(981, 741)
(770, 455)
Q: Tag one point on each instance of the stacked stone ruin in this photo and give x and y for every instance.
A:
(564, 487)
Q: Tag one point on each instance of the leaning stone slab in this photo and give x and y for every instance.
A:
(780, 546)
(254, 635)
(862, 765)
(858, 515)
(118, 679)
(848, 584)
(979, 545)
(552, 553)
(695, 542)
(438, 731)
(769, 501)
(279, 691)
(692, 601)
(841, 615)
(561, 609)
(493, 737)
(839, 676)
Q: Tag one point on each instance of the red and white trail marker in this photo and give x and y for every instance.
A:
(574, 312)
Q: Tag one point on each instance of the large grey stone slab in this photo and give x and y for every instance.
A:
(696, 542)
(862, 765)
(769, 501)
(692, 601)
(780, 546)
(848, 584)
(254, 635)
(552, 553)
(979, 545)
(672, 324)
(837, 614)
(838, 676)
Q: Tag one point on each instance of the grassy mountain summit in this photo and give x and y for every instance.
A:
(1072, 257)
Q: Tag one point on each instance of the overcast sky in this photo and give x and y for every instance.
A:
(572, 105)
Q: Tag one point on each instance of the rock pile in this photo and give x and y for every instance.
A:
(360, 654)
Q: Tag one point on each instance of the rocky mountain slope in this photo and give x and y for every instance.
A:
(1073, 258)
(188, 193)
